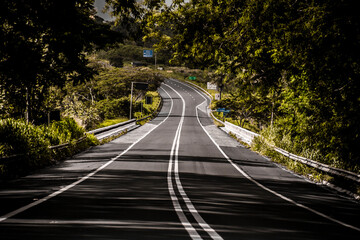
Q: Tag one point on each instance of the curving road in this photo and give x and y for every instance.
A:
(177, 177)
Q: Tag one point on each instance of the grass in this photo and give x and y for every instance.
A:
(109, 122)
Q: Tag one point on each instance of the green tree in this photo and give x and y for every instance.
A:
(293, 63)
(43, 43)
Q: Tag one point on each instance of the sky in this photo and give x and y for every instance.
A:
(99, 5)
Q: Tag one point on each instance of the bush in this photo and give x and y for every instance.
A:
(63, 131)
(19, 138)
(114, 108)
(116, 61)
(24, 147)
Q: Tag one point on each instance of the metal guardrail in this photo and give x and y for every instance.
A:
(115, 129)
(104, 129)
(200, 88)
(242, 133)
(155, 113)
(64, 145)
(323, 167)
(15, 160)
(248, 136)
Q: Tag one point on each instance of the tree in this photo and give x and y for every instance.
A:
(300, 58)
(43, 43)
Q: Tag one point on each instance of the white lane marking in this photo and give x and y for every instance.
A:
(266, 188)
(183, 219)
(213, 234)
(33, 204)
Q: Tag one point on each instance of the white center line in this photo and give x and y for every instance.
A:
(213, 234)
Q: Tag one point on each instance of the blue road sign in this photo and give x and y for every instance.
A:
(147, 53)
(221, 110)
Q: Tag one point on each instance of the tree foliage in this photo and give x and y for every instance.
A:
(106, 96)
(292, 65)
(43, 43)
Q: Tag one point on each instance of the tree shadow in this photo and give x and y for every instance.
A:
(130, 199)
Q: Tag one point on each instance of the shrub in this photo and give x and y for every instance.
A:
(20, 138)
(114, 108)
(25, 147)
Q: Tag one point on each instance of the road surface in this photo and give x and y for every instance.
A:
(177, 177)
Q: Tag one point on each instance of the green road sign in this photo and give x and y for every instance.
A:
(192, 78)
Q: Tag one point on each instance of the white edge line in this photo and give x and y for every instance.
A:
(262, 186)
(268, 189)
(33, 204)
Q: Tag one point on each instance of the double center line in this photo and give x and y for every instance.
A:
(175, 186)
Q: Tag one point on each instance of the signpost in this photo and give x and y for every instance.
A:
(147, 53)
(224, 111)
(192, 78)
(148, 100)
(217, 96)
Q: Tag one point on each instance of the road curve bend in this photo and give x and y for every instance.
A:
(176, 177)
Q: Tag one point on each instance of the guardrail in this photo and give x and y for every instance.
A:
(129, 125)
(154, 114)
(323, 167)
(112, 130)
(241, 133)
(64, 145)
(17, 161)
(200, 88)
(248, 136)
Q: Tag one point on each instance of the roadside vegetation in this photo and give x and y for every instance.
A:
(71, 69)
(107, 96)
(288, 70)
(25, 147)
(288, 67)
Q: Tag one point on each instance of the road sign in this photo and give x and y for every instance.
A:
(192, 78)
(211, 86)
(217, 96)
(147, 53)
(222, 110)
(141, 85)
(148, 100)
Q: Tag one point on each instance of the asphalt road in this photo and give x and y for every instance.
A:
(177, 177)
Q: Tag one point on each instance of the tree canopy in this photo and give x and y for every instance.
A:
(44, 43)
(290, 64)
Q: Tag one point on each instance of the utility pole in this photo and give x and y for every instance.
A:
(155, 59)
(131, 97)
